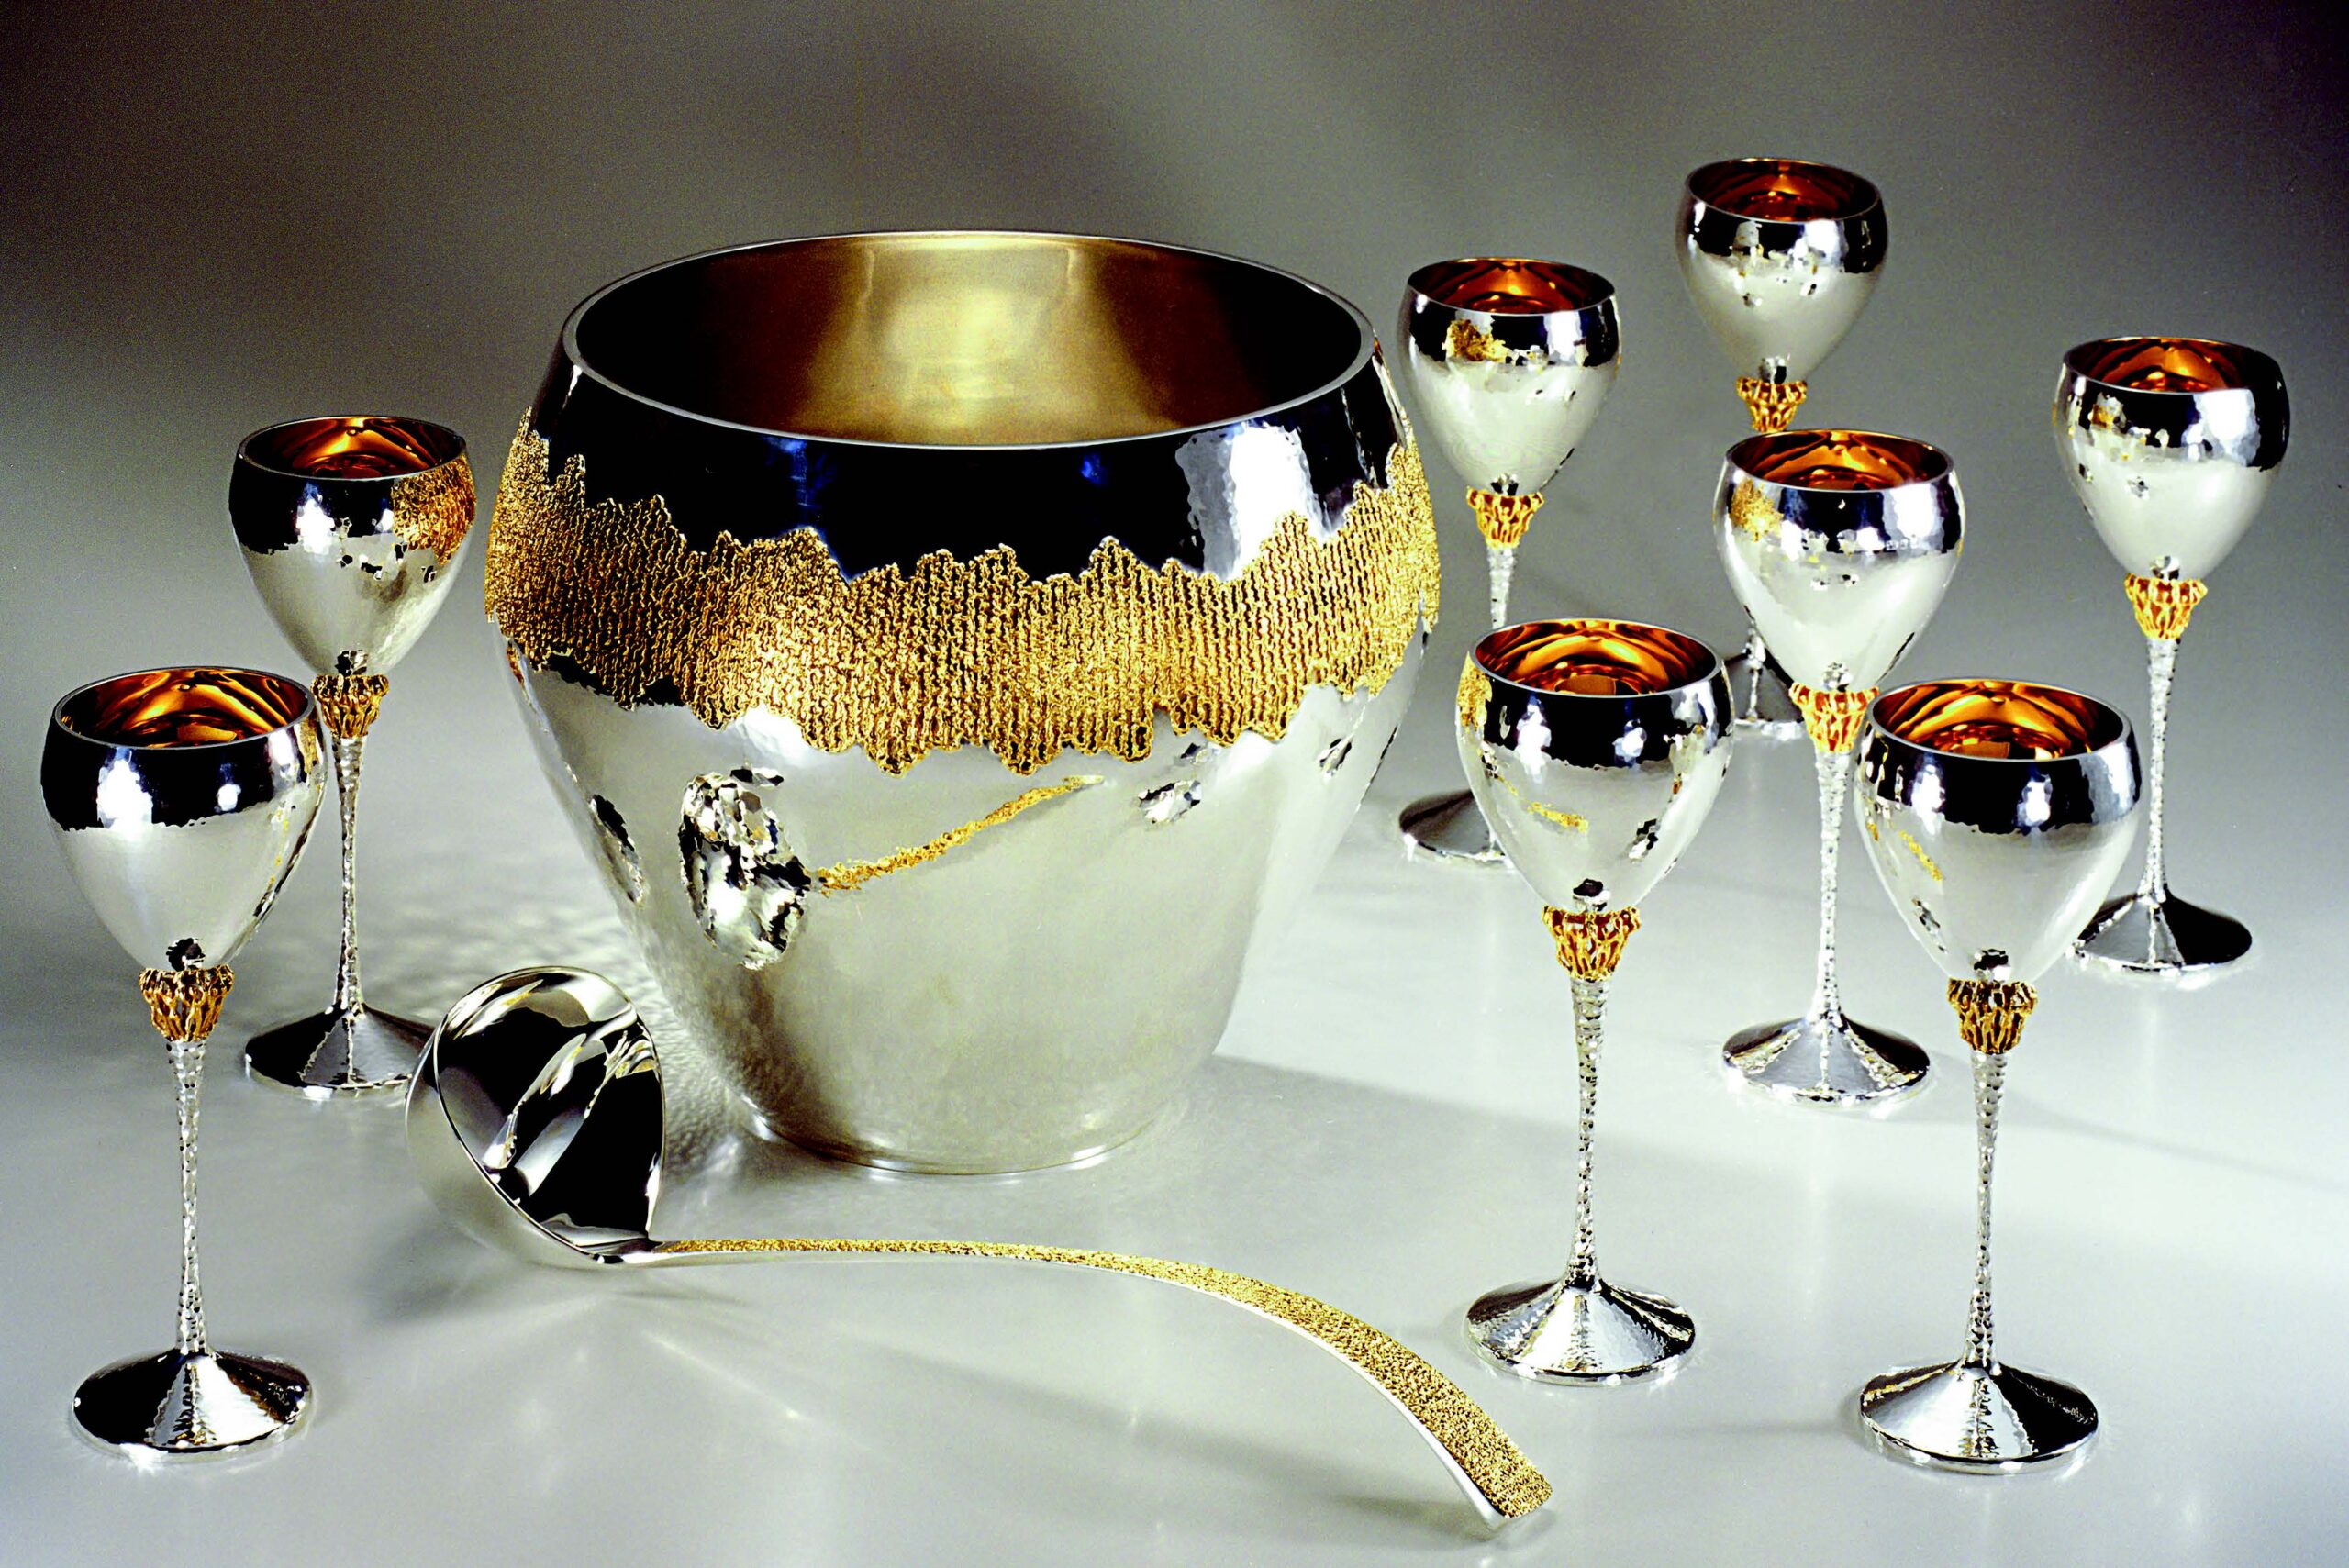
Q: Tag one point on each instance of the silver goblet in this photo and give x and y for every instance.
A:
(1595, 748)
(1779, 257)
(1507, 361)
(183, 798)
(1997, 812)
(351, 528)
(1840, 544)
(2170, 443)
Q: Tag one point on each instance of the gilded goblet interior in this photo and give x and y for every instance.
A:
(352, 447)
(186, 706)
(1839, 460)
(2171, 364)
(1783, 190)
(1593, 658)
(1509, 285)
(2003, 720)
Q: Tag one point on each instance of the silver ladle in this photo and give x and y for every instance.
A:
(535, 1121)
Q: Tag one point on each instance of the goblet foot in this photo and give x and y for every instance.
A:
(1763, 710)
(1559, 1332)
(181, 1406)
(2162, 937)
(334, 1055)
(1450, 827)
(1993, 1420)
(1828, 1061)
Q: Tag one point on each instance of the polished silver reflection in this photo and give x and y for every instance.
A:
(1840, 544)
(1779, 257)
(1505, 360)
(910, 1043)
(351, 529)
(2170, 443)
(183, 798)
(535, 1121)
(1996, 812)
(1595, 747)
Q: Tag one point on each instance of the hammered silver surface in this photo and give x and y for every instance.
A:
(1030, 996)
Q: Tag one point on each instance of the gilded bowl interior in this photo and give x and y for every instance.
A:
(1782, 189)
(2016, 719)
(967, 338)
(198, 705)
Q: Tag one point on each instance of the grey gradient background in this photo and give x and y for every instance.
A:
(286, 210)
(215, 217)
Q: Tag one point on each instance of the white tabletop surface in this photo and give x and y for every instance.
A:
(1387, 1125)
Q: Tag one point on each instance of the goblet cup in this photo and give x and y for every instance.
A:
(1595, 748)
(351, 528)
(1780, 256)
(183, 798)
(1507, 361)
(2170, 443)
(1997, 813)
(1840, 544)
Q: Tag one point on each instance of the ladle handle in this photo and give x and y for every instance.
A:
(1497, 1477)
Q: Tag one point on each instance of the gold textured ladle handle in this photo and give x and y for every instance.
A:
(1489, 1465)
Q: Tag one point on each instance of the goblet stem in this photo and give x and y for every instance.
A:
(188, 1071)
(2160, 663)
(1500, 567)
(1590, 1006)
(1989, 1079)
(1502, 516)
(347, 1000)
(184, 1005)
(1834, 789)
(1749, 701)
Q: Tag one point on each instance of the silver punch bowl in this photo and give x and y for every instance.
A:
(956, 650)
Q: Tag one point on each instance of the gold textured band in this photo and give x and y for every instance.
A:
(1464, 341)
(1832, 718)
(1771, 403)
(1752, 513)
(1503, 519)
(2163, 604)
(850, 874)
(1590, 944)
(1990, 1013)
(185, 1003)
(347, 703)
(1483, 1452)
(434, 510)
(1475, 691)
(959, 652)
